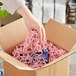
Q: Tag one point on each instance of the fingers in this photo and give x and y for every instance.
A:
(29, 30)
(43, 34)
(40, 30)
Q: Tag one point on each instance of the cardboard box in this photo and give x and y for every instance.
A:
(14, 33)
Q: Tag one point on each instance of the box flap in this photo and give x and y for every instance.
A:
(12, 34)
(14, 61)
(59, 59)
(60, 34)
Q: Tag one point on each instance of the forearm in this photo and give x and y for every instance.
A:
(24, 12)
(27, 15)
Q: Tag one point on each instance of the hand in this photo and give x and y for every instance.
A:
(31, 22)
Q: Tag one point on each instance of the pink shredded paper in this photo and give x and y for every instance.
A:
(36, 54)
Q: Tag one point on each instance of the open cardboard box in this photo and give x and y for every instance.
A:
(15, 32)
